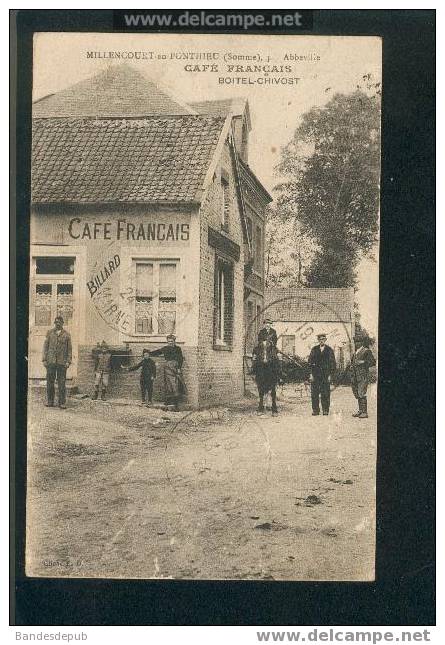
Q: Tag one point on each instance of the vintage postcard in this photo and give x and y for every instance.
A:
(203, 306)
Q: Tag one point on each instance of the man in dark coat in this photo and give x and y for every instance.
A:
(268, 332)
(322, 363)
(57, 357)
(361, 361)
(173, 381)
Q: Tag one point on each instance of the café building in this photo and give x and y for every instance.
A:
(146, 220)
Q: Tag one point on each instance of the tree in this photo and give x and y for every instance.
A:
(288, 250)
(331, 168)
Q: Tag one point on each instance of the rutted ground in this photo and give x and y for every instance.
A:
(123, 491)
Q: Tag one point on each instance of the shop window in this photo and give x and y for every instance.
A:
(223, 303)
(144, 298)
(156, 298)
(42, 305)
(167, 298)
(65, 302)
(55, 266)
(53, 299)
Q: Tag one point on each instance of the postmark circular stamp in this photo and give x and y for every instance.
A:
(298, 318)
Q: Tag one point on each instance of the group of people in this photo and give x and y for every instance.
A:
(322, 370)
(57, 357)
(173, 382)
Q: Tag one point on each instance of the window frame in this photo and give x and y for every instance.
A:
(223, 316)
(156, 263)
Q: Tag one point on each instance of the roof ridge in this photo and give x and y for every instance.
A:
(89, 117)
(116, 89)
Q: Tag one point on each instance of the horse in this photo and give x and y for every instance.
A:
(266, 371)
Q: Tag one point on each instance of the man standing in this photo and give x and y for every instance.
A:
(57, 357)
(268, 332)
(102, 369)
(322, 363)
(361, 361)
(173, 382)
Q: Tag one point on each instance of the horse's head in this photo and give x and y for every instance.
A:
(266, 351)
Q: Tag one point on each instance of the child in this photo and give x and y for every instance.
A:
(102, 370)
(148, 375)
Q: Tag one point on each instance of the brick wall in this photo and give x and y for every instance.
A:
(220, 372)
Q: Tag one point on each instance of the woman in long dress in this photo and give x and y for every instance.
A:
(174, 385)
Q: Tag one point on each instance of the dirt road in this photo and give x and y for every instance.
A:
(123, 491)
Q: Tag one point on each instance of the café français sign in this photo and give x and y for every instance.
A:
(124, 230)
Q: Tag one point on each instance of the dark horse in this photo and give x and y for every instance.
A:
(266, 370)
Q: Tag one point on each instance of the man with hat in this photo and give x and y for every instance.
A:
(361, 361)
(56, 357)
(173, 381)
(322, 363)
(268, 333)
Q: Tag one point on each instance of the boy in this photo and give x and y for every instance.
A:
(102, 370)
(148, 375)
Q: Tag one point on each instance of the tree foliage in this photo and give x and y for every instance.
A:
(331, 169)
(288, 250)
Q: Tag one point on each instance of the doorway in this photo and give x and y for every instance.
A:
(52, 288)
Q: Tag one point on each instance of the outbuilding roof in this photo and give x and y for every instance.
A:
(310, 305)
(154, 159)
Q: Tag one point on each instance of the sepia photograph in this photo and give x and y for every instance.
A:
(203, 307)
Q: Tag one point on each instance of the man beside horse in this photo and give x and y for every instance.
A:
(266, 369)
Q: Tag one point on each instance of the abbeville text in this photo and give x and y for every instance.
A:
(123, 230)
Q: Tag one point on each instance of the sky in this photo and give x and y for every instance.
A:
(333, 64)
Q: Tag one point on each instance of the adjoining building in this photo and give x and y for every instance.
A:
(146, 220)
(300, 314)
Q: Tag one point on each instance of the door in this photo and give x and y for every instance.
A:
(288, 345)
(51, 296)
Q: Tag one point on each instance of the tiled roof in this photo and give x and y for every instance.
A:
(310, 305)
(221, 107)
(156, 159)
(119, 91)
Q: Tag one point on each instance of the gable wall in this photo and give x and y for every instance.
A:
(220, 372)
